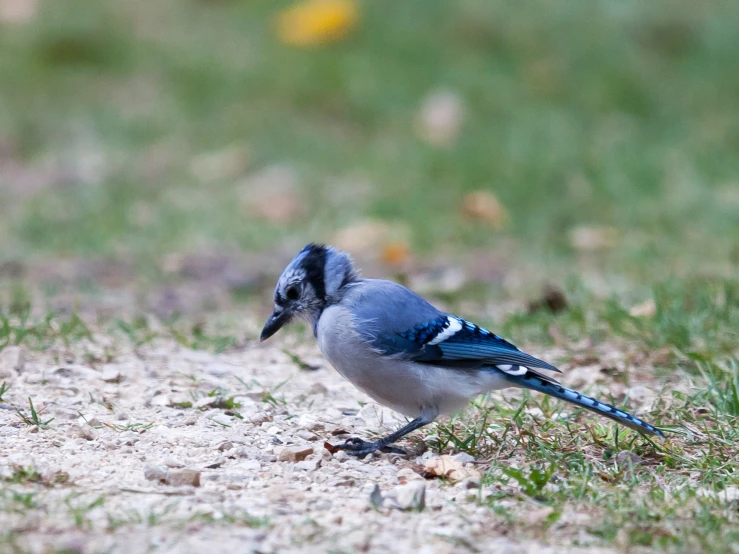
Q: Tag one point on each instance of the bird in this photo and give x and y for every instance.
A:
(404, 353)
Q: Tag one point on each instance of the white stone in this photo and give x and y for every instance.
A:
(464, 458)
(310, 464)
(111, 375)
(411, 496)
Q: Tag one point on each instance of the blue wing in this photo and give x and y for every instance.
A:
(451, 341)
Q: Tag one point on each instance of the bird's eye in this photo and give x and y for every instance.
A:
(292, 293)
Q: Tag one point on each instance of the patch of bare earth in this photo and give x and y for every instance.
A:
(167, 449)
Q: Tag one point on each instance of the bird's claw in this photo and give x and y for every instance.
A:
(358, 447)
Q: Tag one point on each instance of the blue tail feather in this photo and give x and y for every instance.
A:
(534, 382)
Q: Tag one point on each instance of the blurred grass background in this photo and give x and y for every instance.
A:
(607, 132)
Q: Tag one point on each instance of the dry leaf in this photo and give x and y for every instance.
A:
(440, 118)
(552, 299)
(446, 466)
(645, 309)
(593, 238)
(316, 21)
(395, 253)
(331, 448)
(484, 206)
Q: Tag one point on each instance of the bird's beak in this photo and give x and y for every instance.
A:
(278, 318)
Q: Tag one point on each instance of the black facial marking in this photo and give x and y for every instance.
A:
(348, 278)
(314, 265)
(292, 293)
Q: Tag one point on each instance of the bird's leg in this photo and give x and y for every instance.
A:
(359, 447)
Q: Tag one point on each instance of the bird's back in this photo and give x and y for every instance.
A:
(387, 306)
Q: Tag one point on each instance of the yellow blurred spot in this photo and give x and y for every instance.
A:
(316, 21)
(484, 206)
(395, 253)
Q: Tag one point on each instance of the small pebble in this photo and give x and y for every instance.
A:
(408, 497)
(111, 375)
(309, 465)
(406, 474)
(295, 453)
(152, 473)
(463, 458)
(86, 432)
(183, 477)
(306, 435)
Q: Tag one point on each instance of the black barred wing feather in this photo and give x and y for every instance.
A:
(451, 341)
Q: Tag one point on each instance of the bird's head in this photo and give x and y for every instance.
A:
(313, 280)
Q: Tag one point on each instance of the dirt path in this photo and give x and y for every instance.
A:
(116, 479)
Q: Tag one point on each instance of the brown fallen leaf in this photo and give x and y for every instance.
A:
(552, 299)
(484, 206)
(330, 447)
(446, 466)
(395, 253)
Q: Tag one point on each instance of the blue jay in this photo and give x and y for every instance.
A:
(404, 353)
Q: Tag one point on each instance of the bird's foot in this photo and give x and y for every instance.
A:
(358, 447)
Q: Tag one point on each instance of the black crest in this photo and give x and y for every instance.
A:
(314, 264)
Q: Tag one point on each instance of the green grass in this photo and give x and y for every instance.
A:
(623, 115)
(42, 332)
(34, 419)
(19, 326)
(3, 389)
(648, 492)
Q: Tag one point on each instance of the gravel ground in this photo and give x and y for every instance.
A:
(127, 465)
